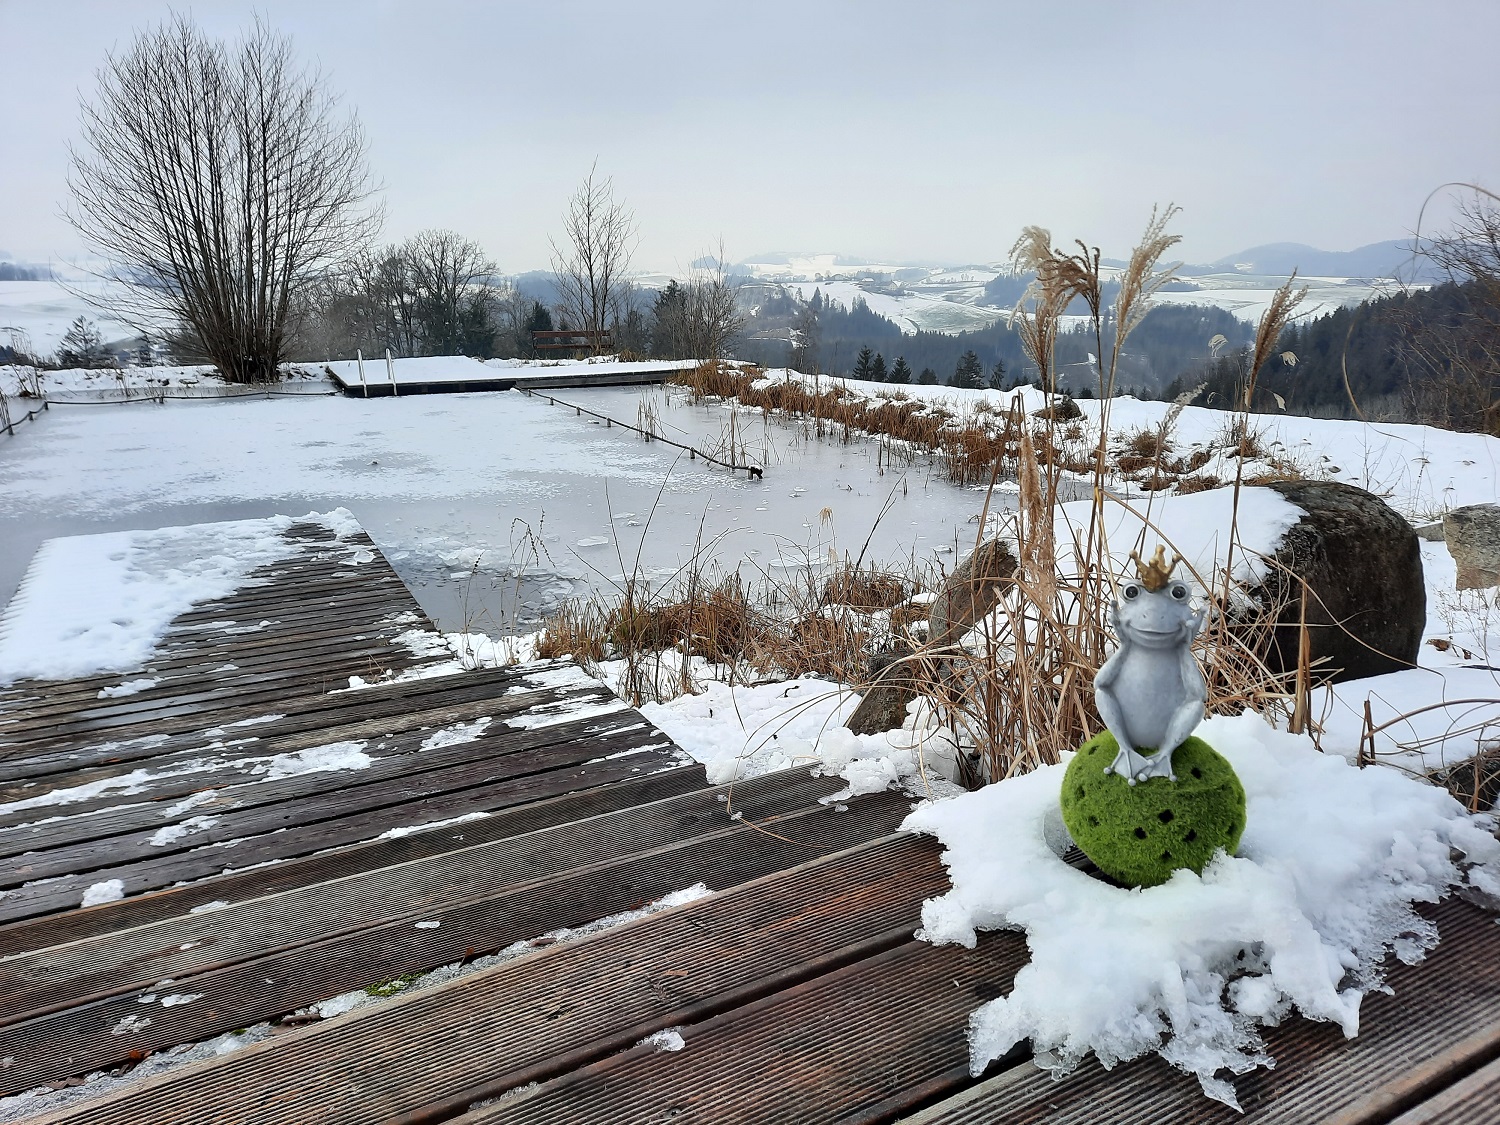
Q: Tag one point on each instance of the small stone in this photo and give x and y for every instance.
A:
(1473, 537)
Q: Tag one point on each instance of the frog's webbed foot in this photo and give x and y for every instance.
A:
(1129, 765)
(1156, 765)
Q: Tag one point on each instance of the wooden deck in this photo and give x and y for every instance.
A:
(797, 987)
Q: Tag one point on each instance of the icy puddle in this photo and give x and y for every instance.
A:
(492, 507)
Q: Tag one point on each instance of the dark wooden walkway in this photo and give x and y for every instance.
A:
(796, 987)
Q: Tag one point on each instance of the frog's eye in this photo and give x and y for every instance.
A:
(1130, 591)
(1179, 591)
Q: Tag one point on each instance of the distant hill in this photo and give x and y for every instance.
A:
(1379, 259)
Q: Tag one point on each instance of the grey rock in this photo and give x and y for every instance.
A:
(1473, 537)
(970, 592)
(1362, 565)
(892, 685)
(1432, 532)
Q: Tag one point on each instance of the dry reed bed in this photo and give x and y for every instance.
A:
(1018, 691)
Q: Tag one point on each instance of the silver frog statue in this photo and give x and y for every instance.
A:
(1151, 691)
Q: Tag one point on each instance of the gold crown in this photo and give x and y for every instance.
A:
(1154, 574)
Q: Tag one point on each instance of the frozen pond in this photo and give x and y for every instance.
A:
(493, 507)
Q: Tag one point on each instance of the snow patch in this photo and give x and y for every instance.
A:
(398, 833)
(315, 759)
(174, 832)
(130, 1024)
(129, 687)
(341, 1004)
(1331, 861)
(458, 733)
(667, 1039)
(110, 890)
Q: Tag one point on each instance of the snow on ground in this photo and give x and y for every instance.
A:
(100, 603)
(478, 500)
(1332, 859)
(739, 732)
(1421, 471)
(948, 300)
(45, 309)
(1197, 526)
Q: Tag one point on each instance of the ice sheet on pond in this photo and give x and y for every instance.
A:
(480, 500)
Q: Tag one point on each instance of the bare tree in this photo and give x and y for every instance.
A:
(434, 294)
(592, 263)
(219, 183)
(713, 313)
(450, 278)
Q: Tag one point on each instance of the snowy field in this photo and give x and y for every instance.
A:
(948, 300)
(928, 299)
(45, 309)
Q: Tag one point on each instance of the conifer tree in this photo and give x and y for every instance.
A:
(997, 376)
(83, 346)
(862, 363)
(877, 369)
(928, 378)
(968, 373)
(900, 371)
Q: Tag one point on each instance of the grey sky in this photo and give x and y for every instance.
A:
(890, 130)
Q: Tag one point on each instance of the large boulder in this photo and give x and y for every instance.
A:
(970, 592)
(1473, 537)
(1362, 564)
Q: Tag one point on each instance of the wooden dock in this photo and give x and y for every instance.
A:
(498, 808)
(429, 375)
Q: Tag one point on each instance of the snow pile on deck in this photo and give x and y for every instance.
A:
(100, 603)
(738, 732)
(1332, 860)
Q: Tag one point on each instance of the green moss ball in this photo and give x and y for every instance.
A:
(1139, 834)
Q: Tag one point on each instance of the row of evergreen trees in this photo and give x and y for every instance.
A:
(968, 372)
(1426, 355)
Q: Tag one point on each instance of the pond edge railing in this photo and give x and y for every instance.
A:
(31, 415)
(756, 472)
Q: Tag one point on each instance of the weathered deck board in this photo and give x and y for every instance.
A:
(337, 592)
(293, 976)
(547, 1013)
(118, 962)
(236, 785)
(1473, 1101)
(608, 794)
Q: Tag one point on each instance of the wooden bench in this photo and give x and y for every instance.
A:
(570, 340)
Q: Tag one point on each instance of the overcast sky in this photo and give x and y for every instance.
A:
(887, 129)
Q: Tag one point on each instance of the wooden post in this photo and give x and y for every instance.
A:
(359, 357)
(390, 370)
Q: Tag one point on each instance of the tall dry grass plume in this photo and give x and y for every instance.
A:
(1021, 691)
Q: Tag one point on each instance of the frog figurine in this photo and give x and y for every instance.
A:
(1151, 692)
